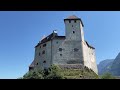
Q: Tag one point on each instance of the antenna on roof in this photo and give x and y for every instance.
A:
(54, 31)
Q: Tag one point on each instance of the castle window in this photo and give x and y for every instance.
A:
(76, 50)
(74, 21)
(72, 25)
(73, 31)
(40, 46)
(43, 52)
(36, 63)
(69, 21)
(39, 53)
(60, 49)
(57, 42)
(60, 54)
(44, 61)
(44, 45)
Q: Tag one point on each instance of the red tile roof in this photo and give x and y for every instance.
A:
(72, 17)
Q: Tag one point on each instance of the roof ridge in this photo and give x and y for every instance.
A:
(72, 17)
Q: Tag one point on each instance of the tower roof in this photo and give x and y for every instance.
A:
(73, 17)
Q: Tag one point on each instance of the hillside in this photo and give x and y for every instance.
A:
(110, 65)
(115, 68)
(62, 72)
(104, 66)
(78, 72)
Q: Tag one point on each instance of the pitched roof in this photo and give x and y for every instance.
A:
(32, 64)
(72, 17)
(48, 38)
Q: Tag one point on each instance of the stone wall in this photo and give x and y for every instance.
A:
(89, 57)
(71, 53)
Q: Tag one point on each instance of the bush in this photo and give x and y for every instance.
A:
(34, 74)
(51, 73)
(54, 72)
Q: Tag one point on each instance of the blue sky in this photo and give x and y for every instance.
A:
(20, 31)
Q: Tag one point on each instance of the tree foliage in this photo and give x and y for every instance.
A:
(34, 74)
(107, 76)
(55, 72)
(52, 73)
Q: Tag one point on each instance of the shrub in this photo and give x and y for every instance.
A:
(54, 72)
(34, 74)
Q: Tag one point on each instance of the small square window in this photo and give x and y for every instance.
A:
(60, 54)
(73, 31)
(57, 42)
(44, 61)
(76, 50)
(36, 63)
(60, 49)
(69, 21)
(75, 21)
(43, 52)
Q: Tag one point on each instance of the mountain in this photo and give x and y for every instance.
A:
(115, 68)
(105, 66)
(110, 65)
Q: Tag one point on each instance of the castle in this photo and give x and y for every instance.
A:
(70, 49)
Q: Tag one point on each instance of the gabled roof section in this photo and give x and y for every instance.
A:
(73, 17)
(32, 64)
(48, 38)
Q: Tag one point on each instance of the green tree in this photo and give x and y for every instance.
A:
(107, 76)
(34, 74)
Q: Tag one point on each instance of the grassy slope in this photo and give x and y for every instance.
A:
(79, 74)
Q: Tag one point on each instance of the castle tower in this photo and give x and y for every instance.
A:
(74, 28)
